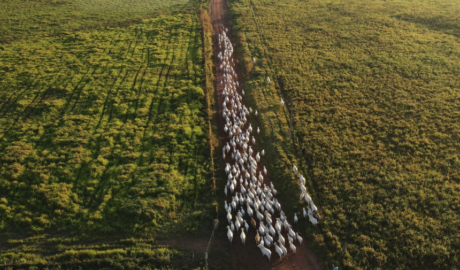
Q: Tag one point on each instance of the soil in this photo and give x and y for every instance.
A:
(249, 256)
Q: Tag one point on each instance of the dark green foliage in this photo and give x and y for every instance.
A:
(376, 90)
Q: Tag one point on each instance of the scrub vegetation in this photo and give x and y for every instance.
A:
(375, 93)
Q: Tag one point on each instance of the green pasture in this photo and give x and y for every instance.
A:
(375, 92)
(103, 128)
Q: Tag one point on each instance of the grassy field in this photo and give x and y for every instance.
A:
(45, 18)
(375, 93)
(103, 124)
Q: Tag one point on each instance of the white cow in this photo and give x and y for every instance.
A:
(284, 250)
(299, 238)
(278, 225)
(268, 240)
(281, 239)
(229, 234)
(302, 180)
(279, 251)
(292, 246)
(265, 251)
(261, 228)
(313, 220)
(229, 217)
(307, 198)
(313, 207)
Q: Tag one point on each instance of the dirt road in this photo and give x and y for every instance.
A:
(249, 256)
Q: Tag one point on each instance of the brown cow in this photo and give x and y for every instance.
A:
(253, 223)
(257, 238)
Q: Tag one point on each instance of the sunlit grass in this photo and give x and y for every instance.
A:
(375, 92)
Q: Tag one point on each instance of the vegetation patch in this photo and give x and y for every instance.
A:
(375, 118)
(104, 130)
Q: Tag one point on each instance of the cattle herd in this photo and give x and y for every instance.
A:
(252, 201)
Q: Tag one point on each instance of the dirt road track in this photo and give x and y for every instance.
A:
(249, 256)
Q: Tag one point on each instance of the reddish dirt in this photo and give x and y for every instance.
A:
(249, 256)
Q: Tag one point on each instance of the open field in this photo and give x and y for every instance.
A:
(103, 127)
(375, 93)
(44, 18)
(108, 127)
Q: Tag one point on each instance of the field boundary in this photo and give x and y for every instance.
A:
(209, 91)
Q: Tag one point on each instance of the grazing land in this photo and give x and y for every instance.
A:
(39, 18)
(103, 131)
(375, 93)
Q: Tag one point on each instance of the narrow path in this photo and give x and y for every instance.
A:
(249, 256)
